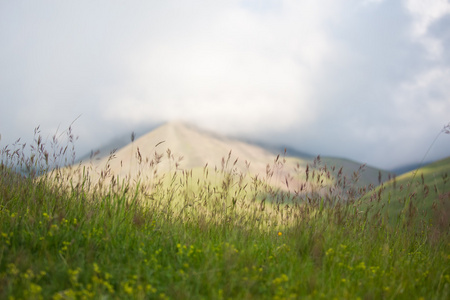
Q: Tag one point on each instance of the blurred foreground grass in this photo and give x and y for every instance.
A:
(222, 235)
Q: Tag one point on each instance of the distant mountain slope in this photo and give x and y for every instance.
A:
(424, 187)
(367, 176)
(190, 147)
(196, 147)
(407, 168)
(116, 143)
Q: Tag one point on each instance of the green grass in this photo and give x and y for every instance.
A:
(425, 191)
(207, 236)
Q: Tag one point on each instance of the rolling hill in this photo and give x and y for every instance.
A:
(420, 190)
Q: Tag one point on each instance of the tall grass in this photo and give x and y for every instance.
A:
(211, 233)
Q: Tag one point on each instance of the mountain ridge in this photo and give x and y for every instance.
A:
(186, 146)
(123, 140)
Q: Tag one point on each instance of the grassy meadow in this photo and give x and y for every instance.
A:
(215, 233)
(420, 191)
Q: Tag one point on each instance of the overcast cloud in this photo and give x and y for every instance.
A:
(366, 80)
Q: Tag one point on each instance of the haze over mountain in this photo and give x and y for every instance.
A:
(366, 80)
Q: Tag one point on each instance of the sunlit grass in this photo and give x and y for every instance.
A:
(213, 233)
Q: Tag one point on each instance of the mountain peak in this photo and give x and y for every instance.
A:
(185, 146)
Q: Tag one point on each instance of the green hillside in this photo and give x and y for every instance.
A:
(419, 190)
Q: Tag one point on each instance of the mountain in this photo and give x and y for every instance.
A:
(114, 144)
(181, 146)
(408, 168)
(184, 147)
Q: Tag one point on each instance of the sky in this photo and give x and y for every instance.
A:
(367, 80)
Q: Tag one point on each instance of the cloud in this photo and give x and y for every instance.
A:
(424, 15)
(236, 63)
(346, 78)
(381, 91)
